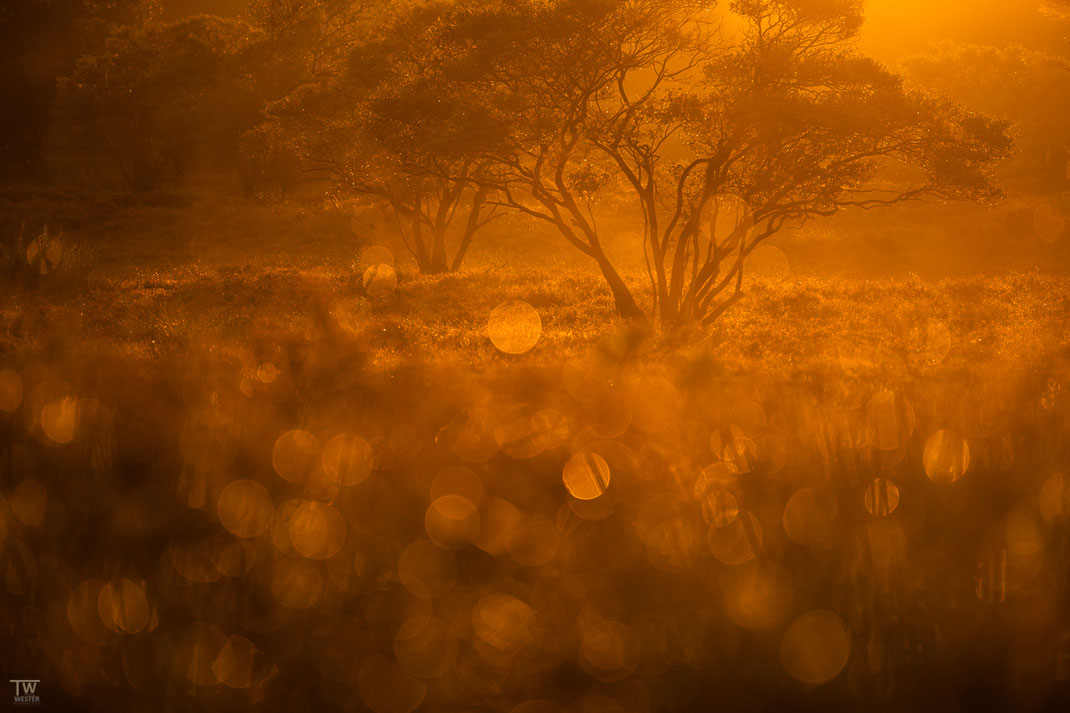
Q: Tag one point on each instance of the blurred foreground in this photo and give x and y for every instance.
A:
(290, 487)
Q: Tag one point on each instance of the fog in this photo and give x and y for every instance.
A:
(535, 355)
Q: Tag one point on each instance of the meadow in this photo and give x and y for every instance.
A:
(233, 475)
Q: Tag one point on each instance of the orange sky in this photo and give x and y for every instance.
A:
(893, 26)
(896, 26)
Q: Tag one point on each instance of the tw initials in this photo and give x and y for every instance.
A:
(25, 687)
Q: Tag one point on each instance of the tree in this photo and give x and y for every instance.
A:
(1059, 9)
(312, 38)
(1030, 88)
(151, 95)
(298, 44)
(384, 129)
(40, 40)
(720, 130)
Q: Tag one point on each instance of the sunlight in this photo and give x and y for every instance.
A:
(540, 356)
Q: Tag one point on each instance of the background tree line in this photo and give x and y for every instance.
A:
(712, 127)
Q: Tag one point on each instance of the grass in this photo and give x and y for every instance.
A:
(174, 361)
(150, 273)
(801, 323)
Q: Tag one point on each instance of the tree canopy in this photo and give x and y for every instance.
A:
(714, 127)
(151, 95)
(1029, 87)
(775, 118)
(383, 127)
(41, 40)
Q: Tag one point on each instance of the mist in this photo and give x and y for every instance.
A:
(535, 356)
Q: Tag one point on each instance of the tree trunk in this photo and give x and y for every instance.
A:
(627, 307)
(423, 260)
(438, 263)
(470, 228)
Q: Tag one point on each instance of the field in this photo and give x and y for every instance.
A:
(232, 475)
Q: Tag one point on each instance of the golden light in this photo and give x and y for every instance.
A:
(123, 606)
(586, 476)
(245, 508)
(556, 356)
(815, 647)
(514, 327)
(881, 497)
(295, 454)
(946, 456)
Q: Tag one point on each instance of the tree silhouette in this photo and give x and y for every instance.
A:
(384, 127)
(40, 40)
(151, 95)
(720, 128)
(1029, 87)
